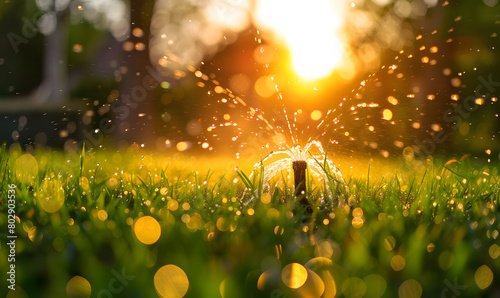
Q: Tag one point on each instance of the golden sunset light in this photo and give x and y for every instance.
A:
(311, 33)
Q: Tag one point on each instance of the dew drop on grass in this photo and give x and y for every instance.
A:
(163, 191)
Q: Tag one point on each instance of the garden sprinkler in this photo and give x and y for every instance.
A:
(300, 158)
(299, 173)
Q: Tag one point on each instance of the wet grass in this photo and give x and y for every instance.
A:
(410, 229)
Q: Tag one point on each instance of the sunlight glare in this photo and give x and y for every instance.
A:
(310, 31)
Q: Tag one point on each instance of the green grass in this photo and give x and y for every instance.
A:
(429, 228)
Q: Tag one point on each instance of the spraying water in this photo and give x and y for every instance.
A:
(395, 109)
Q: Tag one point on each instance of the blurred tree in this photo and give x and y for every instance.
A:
(54, 86)
(134, 119)
(20, 55)
(40, 31)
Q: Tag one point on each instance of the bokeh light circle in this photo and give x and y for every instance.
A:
(318, 263)
(265, 86)
(35, 235)
(294, 275)
(314, 287)
(171, 282)
(324, 248)
(223, 224)
(483, 277)
(389, 243)
(51, 195)
(357, 222)
(147, 230)
(398, 262)
(375, 285)
(265, 198)
(322, 267)
(387, 114)
(18, 292)
(26, 168)
(494, 251)
(84, 183)
(78, 287)
(354, 287)
(410, 289)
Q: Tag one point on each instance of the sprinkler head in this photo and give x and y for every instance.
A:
(299, 173)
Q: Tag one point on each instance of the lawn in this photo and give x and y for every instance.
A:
(138, 224)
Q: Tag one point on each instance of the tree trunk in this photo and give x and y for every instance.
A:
(54, 89)
(136, 96)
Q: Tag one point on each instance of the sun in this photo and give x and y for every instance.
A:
(316, 57)
(312, 33)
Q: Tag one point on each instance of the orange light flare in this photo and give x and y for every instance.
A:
(312, 33)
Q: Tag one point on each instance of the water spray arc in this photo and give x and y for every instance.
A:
(302, 161)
